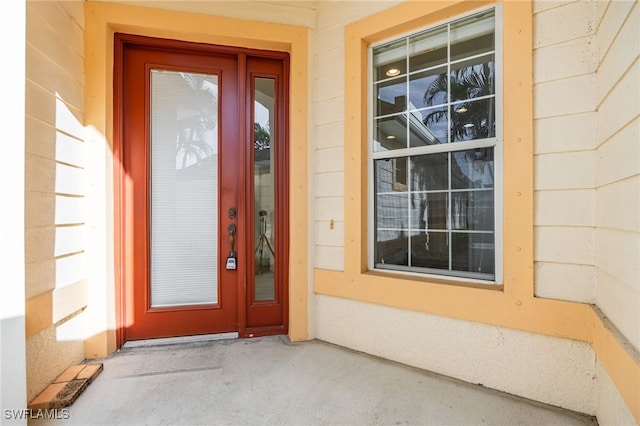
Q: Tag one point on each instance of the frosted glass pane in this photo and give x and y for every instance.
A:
(184, 189)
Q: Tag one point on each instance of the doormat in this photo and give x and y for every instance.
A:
(67, 387)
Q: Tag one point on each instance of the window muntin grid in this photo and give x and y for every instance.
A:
(433, 147)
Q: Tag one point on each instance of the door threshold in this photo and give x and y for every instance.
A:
(181, 339)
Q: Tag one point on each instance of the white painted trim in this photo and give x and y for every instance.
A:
(181, 339)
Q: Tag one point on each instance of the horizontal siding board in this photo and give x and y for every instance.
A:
(43, 209)
(611, 23)
(44, 140)
(47, 74)
(43, 175)
(330, 61)
(329, 135)
(619, 157)
(621, 105)
(563, 97)
(329, 208)
(565, 133)
(329, 111)
(330, 160)
(619, 206)
(621, 304)
(568, 22)
(70, 269)
(54, 20)
(75, 9)
(620, 56)
(572, 170)
(329, 184)
(46, 107)
(328, 235)
(569, 59)
(329, 257)
(565, 281)
(618, 253)
(564, 244)
(568, 208)
(40, 36)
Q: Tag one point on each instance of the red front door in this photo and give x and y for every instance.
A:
(203, 150)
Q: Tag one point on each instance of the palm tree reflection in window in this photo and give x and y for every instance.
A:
(262, 137)
(471, 95)
(195, 137)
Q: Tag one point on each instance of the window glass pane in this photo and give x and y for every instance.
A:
(392, 248)
(390, 60)
(428, 126)
(473, 120)
(428, 49)
(428, 88)
(472, 210)
(429, 172)
(390, 133)
(391, 96)
(391, 175)
(472, 168)
(430, 250)
(473, 36)
(432, 210)
(392, 211)
(472, 78)
(473, 253)
(264, 182)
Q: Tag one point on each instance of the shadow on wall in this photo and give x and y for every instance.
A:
(55, 188)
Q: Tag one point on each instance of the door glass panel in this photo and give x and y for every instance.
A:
(184, 189)
(263, 144)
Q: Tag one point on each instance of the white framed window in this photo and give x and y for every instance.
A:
(436, 150)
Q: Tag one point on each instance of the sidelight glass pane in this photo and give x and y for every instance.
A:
(264, 182)
(184, 194)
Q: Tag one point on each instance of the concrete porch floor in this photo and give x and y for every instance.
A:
(270, 381)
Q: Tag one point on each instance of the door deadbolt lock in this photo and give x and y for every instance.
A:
(232, 213)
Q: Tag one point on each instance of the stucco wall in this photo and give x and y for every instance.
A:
(55, 190)
(555, 371)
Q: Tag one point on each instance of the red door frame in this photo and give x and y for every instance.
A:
(122, 194)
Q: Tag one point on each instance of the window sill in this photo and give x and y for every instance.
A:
(435, 279)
